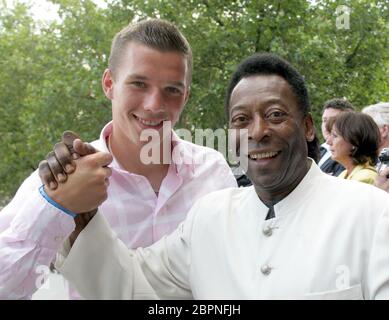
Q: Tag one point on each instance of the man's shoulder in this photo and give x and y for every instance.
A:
(217, 206)
(366, 174)
(224, 197)
(201, 156)
(347, 192)
(195, 148)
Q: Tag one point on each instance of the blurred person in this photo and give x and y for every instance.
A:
(331, 108)
(380, 114)
(354, 141)
(382, 180)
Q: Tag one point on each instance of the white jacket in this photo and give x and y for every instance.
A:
(329, 240)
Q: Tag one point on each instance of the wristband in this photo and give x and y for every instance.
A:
(55, 204)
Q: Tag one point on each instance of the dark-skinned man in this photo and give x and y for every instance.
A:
(282, 238)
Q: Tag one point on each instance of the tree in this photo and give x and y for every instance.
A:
(50, 75)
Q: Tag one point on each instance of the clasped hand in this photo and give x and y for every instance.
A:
(76, 175)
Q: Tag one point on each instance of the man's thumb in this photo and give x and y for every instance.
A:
(83, 148)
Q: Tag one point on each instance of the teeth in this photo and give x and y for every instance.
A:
(258, 156)
(150, 123)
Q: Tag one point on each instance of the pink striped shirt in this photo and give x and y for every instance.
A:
(32, 230)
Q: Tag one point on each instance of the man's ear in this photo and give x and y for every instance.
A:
(385, 132)
(309, 128)
(187, 94)
(107, 83)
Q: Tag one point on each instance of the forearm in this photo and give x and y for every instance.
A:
(31, 233)
(100, 266)
(81, 222)
(93, 263)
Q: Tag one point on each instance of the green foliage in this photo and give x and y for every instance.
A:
(50, 76)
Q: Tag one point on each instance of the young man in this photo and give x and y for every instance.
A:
(147, 81)
(279, 239)
(331, 109)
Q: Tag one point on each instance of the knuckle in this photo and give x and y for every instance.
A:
(50, 155)
(45, 172)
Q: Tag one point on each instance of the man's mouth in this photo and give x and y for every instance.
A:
(148, 122)
(263, 155)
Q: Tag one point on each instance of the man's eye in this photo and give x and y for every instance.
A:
(139, 84)
(173, 90)
(276, 115)
(239, 119)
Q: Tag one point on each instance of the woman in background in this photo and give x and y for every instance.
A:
(354, 142)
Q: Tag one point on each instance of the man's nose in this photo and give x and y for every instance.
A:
(258, 129)
(154, 101)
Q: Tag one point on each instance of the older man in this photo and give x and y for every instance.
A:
(380, 114)
(280, 238)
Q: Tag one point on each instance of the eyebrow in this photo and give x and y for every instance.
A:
(237, 108)
(264, 103)
(136, 76)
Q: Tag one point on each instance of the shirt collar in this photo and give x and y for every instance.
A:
(296, 199)
(298, 196)
(360, 167)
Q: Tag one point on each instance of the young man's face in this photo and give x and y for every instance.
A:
(277, 131)
(327, 114)
(148, 88)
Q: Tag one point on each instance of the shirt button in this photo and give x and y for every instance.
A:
(265, 269)
(267, 231)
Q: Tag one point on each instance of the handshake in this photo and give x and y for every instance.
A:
(81, 189)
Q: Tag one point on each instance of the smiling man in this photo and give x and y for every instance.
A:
(148, 82)
(268, 108)
(279, 239)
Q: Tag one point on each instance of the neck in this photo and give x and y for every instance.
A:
(348, 164)
(271, 197)
(128, 154)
